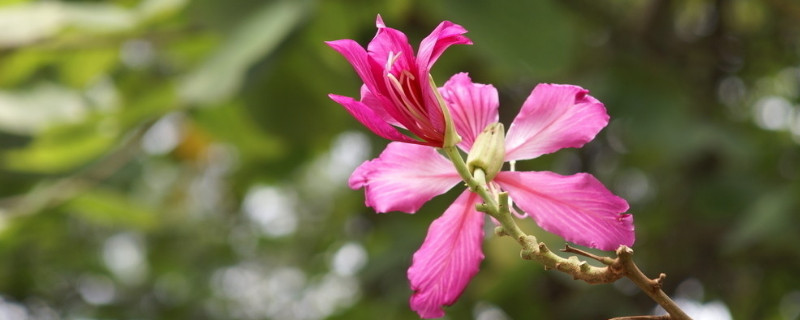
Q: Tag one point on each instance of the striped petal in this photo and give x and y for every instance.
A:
(371, 119)
(448, 259)
(577, 207)
(472, 105)
(404, 177)
(554, 117)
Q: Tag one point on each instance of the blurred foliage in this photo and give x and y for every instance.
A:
(176, 159)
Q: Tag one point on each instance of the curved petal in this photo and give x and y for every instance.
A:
(357, 57)
(391, 44)
(472, 105)
(577, 207)
(377, 104)
(554, 117)
(431, 48)
(443, 36)
(448, 259)
(404, 177)
(372, 120)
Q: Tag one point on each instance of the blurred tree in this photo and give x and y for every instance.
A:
(175, 159)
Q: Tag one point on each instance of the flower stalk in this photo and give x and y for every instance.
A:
(615, 268)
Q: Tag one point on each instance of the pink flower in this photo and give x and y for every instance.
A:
(397, 90)
(576, 207)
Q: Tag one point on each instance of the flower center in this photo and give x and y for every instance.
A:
(405, 92)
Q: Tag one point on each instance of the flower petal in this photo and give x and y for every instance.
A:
(448, 259)
(391, 44)
(554, 117)
(377, 103)
(357, 57)
(577, 207)
(369, 118)
(472, 105)
(404, 177)
(431, 48)
(445, 35)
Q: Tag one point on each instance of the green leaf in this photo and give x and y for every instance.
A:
(78, 68)
(257, 36)
(113, 209)
(61, 149)
(535, 38)
(19, 65)
(231, 123)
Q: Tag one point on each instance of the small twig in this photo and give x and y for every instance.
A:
(651, 287)
(605, 260)
(615, 269)
(665, 317)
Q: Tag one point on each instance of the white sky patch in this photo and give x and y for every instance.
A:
(284, 293)
(773, 112)
(790, 305)
(329, 172)
(12, 311)
(137, 53)
(487, 311)
(633, 185)
(30, 111)
(96, 289)
(689, 295)
(124, 255)
(349, 150)
(164, 135)
(273, 209)
(349, 259)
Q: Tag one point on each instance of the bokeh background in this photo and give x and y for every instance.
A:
(178, 159)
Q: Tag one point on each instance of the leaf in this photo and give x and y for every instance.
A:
(230, 123)
(19, 65)
(61, 149)
(80, 67)
(257, 36)
(110, 208)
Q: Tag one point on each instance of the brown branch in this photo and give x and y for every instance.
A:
(665, 317)
(651, 287)
(616, 268)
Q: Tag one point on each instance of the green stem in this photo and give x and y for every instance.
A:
(616, 268)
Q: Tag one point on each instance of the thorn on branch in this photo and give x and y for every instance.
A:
(543, 248)
(500, 231)
(658, 282)
(584, 266)
(664, 317)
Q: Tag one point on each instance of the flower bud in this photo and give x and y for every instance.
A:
(488, 151)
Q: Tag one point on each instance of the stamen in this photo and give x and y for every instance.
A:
(392, 58)
(399, 95)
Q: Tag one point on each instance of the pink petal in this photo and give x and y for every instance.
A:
(431, 48)
(404, 177)
(577, 207)
(377, 103)
(390, 42)
(448, 259)
(554, 117)
(472, 105)
(445, 35)
(369, 118)
(357, 57)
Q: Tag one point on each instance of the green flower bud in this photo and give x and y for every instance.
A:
(488, 151)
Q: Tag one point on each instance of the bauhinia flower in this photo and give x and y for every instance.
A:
(576, 207)
(398, 91)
